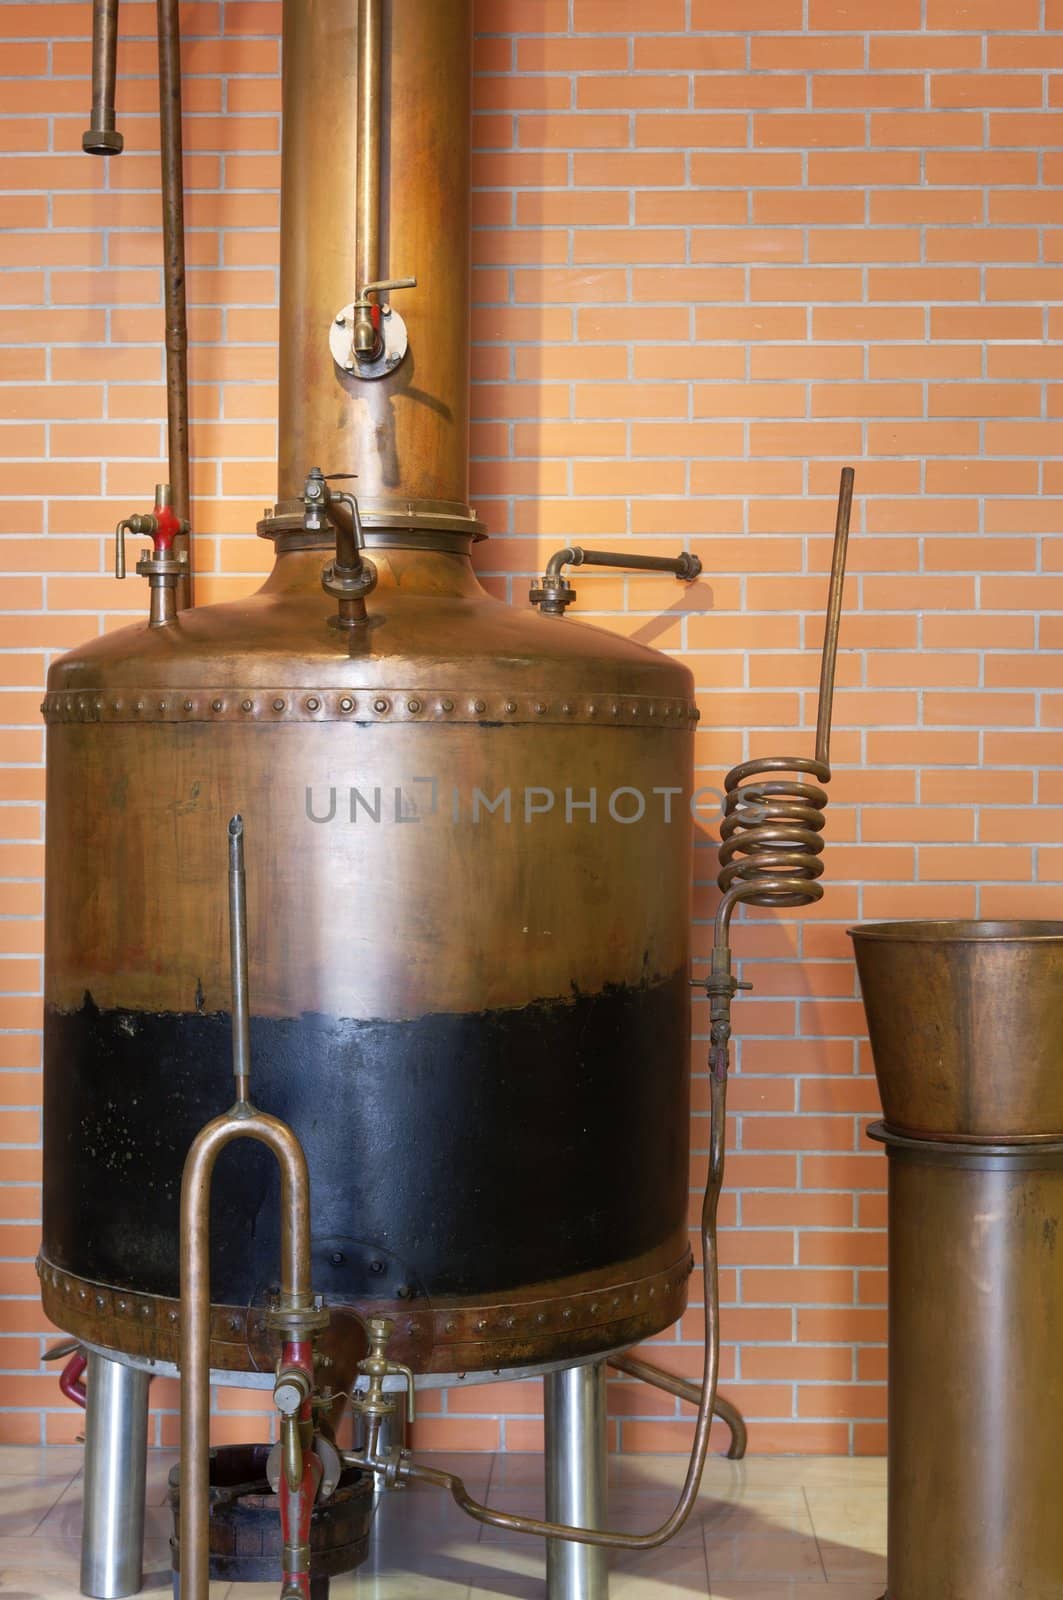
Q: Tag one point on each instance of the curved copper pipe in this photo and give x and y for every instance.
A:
(686, 1389)
(242, 1121)
(405, 1471)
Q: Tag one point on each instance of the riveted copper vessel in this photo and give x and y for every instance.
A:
(966, 1026)
(468, 947)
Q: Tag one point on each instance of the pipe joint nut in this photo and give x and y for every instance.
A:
(552, 594)
(349, 583)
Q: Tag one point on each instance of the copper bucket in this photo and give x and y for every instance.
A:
(966, 1026)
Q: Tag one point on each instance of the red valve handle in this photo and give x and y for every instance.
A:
(167, 526)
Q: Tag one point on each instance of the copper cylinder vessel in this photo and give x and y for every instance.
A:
(966, 1026)
(469, 852)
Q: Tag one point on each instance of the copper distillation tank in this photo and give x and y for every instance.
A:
(450, 977)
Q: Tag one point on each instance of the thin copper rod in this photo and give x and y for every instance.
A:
(173, 265)
(100, 138)
(834, 617)
(238, 960)
(367, 223)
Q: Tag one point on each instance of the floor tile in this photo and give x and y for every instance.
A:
(63, 1520)
(850, 1526)
(659, 1574)
(755, 1511)
(49, 1461)
(26, 1503)
(770, 1528)
(766, 1553)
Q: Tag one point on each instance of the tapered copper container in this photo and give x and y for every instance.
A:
(966, 1026)
(966, 1023)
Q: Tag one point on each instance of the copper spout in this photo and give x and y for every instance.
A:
(294, 1311)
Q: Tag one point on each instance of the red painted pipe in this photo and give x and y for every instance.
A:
(72, 1378)
(296, 1506)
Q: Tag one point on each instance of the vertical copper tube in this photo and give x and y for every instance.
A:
(173, 248)
(832, 625)
(370, 112)
(238, 961)
(101, 139)
(406, 435)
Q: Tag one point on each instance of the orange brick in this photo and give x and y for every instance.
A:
(874, 15)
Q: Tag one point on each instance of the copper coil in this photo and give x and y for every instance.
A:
(770, 837)
(771, 841)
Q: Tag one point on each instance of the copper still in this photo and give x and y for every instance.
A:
(457, 952)
(966, 1025)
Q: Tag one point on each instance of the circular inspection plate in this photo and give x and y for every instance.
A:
(396, 342)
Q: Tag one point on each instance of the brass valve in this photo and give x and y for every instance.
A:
(368, 339)
(163, 566)
(351, 576)
(375, 1402)
(291, 1391)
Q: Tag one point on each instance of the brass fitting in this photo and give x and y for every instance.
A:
(374, 1402)
(367, 341)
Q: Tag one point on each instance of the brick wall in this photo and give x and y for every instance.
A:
(721, 249)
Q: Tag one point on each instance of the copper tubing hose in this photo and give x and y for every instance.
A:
(686, 1389)
(411, 1471)
(775, 866)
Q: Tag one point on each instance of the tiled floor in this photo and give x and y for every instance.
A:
(770, 1528)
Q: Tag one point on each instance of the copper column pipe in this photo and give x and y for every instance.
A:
(102, 139)
(242, 1121)
(173, 270)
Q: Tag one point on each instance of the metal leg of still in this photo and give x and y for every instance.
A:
(576, 1472)
(116, 1442)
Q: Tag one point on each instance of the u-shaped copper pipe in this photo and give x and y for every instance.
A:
(242, 1121)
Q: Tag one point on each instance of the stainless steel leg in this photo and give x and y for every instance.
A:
(116, 1443)
(576, 1479)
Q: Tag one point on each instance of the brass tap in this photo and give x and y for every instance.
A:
(291, 1391)
(164, 567)
(375, 1403)
(367, 342)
